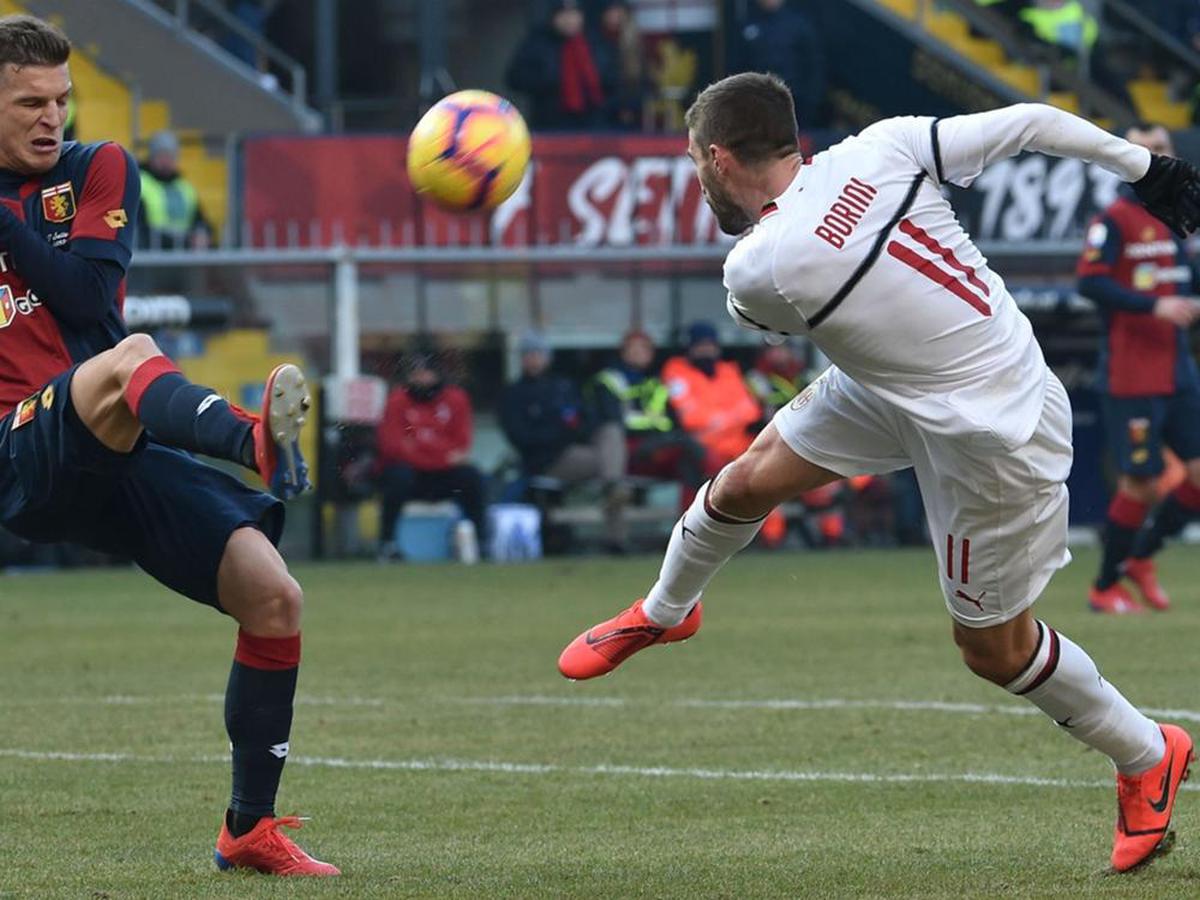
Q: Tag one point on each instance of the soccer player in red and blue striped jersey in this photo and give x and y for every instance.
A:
(97, 428)
(1141, 278)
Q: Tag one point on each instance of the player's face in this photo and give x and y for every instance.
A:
(731, 218)
(33, 112)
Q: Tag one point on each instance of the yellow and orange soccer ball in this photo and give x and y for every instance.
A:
(469, 152)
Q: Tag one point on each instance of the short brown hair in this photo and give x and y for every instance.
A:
(30, 41)
(751, 115)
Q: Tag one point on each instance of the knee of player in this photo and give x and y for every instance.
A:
(732, 490)
(279, 611)
(996, 664)
(1144, 490)
(134, 350)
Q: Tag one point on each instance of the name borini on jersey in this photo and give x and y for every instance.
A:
(846, 212)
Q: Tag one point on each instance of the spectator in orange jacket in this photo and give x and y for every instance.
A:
(422, 442)
(710, 398)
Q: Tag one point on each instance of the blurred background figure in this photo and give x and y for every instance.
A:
(170, 217)
(775, 37)
(621, 56)
(422, 446)
(1142, 280)
(631, 394)
(780, 372)
(713, 403)
(545, 418)
(710, 398)
(569, 80)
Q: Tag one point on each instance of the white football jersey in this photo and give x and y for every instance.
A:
(863, 254)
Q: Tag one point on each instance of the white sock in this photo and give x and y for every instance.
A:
(701, 543)
(1063, 682)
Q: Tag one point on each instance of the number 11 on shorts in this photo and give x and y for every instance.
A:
(965, 559)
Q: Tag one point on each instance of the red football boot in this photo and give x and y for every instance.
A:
(276, 433)
(1113, 599)
(1145, 803)
(266, 849)
(601, 649)
(1141, 572)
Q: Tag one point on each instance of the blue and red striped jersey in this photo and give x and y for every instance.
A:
(1142, 354)
(85, 206)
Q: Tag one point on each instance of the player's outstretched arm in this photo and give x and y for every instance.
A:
(964, 145)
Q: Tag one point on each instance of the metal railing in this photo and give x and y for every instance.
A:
(344, 266)
(201, 16)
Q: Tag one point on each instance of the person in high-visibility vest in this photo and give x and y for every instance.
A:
(631, 393)
(1063, 23)
(170, 216)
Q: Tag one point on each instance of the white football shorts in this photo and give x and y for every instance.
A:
(997, 518)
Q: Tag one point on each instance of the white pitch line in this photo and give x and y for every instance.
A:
(1182, 715)
(781, 705)
(512, 768)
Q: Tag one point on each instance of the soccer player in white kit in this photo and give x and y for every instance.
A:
(934, 367)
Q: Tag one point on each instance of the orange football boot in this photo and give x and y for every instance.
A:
(1113, 599)
(276, 432)
(1145, 803)
(1141, 572)
(266, 849)
(601, 649)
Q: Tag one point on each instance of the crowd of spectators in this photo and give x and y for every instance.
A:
(589, 66)
(608, 436)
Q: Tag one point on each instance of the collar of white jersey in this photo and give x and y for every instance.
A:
(794, 187)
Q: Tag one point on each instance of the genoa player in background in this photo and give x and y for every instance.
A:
(1135, 270)
(95, 423)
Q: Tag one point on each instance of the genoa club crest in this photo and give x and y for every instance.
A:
(58, 202)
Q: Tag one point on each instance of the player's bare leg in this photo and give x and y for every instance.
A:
(725, 516)
(255, 588)
(1126, 514)
(1030, 659)
(1178, 508)
(134, 387)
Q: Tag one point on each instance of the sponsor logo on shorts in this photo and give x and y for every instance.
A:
(279, 751)
(48, 397)
(802, 399)
(1139, 430)
(26, 410)
(978, 601)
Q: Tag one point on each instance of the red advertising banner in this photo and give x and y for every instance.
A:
(587, 190)
(591, 191)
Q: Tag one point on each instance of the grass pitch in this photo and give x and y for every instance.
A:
(819, 738)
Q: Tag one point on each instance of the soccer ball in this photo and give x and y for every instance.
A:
(469, 152)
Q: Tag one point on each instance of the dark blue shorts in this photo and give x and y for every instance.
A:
(156, 505)
(1139, 427)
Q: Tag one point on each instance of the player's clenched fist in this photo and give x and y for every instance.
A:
(1171, 190)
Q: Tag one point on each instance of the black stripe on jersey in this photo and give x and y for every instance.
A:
(863, 267)
(759, 325)
(937, 150)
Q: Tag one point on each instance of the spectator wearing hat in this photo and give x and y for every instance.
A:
(170, 217)
(568, 78)
(422, 445)
(631, 394)
(544, 417)
(710, 398)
